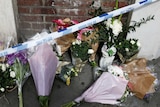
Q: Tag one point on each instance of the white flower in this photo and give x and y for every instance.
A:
(127, 49)
(78, 42)
(12, 74)
(120, 43)
(132, 42)
(115, 70)
(3, 67)
(116, 27)
(138, 44)
(2, 89)
(90, 51)
(108, 23)
(73, 43)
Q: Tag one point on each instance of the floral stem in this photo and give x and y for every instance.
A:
(20, 96)
(120, 17)
(117, 8)
(116, 5)
(44, 101)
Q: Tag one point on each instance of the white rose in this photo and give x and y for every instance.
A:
(90, 51)
(116, 27)
(12, 74)
(2, 89)
(3, 67)
(132, 42)
(127, 49)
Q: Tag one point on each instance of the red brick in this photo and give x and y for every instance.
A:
(113, 4)
(23, 10)
(47, 11)
(79, 12)
(42, 10)
(48, 2)
(36, 11)
(29, 2)
(47, 25)
(122, 4)
(109, 4)
(38, 25)
(24, 25)
(29, 32)
(50, 18)
(31, 18)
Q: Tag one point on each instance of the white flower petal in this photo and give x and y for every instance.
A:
(132, 42)
(138, 44)
(127, 49)
(2, 89)
(90, 51)
(3, 67)
(12, 74)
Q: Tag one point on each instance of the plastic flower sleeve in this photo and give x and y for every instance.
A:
(104, 91)
(43, 64)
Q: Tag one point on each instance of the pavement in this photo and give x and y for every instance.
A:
(61, 93)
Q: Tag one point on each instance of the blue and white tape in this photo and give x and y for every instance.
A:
(74, 28)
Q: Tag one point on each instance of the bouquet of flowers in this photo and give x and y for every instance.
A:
(128, 49)
(14, 69)
(113, 33)
(7, 77)
(80, 53)
(43, 64)
(20, 70)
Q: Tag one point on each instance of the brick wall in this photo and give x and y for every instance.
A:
(35, 15)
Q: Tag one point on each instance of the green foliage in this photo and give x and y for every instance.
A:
(80, 50)
(6, 81)
(128, 47)
(138, 24)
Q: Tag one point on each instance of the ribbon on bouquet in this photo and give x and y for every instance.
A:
(74, 28)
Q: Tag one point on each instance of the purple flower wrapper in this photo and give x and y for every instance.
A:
(43, 65)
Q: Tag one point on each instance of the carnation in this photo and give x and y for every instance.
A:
(12, 74)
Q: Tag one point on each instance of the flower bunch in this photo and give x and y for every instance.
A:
(7, 77)
(128, 47)
(81, 49)
(19, 65)
(113, 32)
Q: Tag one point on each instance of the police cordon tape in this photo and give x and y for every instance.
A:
(74, 28)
